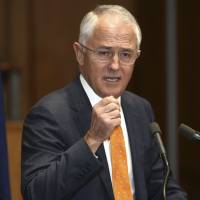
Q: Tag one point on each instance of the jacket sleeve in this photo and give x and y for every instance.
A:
(51, 168)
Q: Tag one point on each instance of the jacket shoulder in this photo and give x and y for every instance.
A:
(63, 99)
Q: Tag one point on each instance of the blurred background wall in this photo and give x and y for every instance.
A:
(36, 57)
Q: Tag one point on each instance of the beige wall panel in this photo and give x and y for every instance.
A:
(14, 154)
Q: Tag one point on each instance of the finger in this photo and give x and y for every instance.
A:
(114, 115)
(116, 122)
(111, 107)
(108, 100)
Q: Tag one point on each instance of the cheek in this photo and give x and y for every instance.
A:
(94, 73)
(96, 70)
(128, 73)
(96, 76)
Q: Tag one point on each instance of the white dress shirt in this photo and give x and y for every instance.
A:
(94, 98)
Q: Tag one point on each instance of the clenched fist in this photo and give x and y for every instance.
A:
(105, 117)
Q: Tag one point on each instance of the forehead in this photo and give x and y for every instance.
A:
(113, 31)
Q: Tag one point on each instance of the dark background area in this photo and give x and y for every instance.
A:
(36, 38)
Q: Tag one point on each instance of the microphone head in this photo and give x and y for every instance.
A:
(155, 128)
(187, 132)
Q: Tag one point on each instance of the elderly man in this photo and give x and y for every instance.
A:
(91, 139)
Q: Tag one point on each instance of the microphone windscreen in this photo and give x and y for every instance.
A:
(155, 128)
(187, 132)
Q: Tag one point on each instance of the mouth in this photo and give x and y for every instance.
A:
(112, 79)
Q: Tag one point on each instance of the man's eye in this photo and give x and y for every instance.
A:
(104, 53)
(126, 54)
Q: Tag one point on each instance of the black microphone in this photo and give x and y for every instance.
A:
(189, 133)
(156, 131)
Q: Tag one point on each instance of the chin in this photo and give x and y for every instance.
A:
(116, 94)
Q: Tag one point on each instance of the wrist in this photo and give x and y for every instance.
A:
(93, 142)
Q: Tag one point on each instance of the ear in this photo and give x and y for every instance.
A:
(138, 53)
(79, 53)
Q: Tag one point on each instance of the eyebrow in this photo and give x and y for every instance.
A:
(109, 47)
(104, 47)
(127, 49)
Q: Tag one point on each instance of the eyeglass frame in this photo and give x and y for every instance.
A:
(113, 52)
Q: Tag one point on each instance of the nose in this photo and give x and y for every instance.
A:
(114, 64)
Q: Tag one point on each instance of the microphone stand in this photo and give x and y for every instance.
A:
(165, 160)
(156, 131)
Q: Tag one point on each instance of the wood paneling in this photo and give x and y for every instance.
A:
(189, 95)
(14, 43)
(3, 21)
(14, 129)
(149, 78)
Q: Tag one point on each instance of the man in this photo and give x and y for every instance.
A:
(69, 149)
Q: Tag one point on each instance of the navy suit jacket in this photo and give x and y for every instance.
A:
(57, 164)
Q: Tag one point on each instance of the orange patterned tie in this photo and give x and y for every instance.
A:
(120, 178)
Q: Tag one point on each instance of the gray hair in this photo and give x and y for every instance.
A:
(90, 20)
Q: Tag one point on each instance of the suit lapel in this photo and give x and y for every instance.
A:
(82, 106)
(80, 103)
(105, 174)
(134, 130)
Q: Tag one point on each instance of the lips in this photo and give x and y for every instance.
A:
(112, 78)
